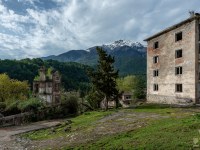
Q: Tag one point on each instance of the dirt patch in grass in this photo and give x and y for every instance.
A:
(10, 142)
(132, 127)
(114, 123)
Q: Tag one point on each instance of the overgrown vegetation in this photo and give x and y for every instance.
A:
(32, 104)
(133, 84)
(93, 99)
(70, 102)
(176, 128)
(74, 76)
(104, 78)
(12, 89)
(82, 121)
(16, 106)
(15, 98)
(172, 133)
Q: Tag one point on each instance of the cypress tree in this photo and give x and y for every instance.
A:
(104, 78)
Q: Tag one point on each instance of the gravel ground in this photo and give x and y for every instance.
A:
(118, 122)
(115, 123)
(8, 140)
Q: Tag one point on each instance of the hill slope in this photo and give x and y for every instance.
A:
(74, 76)
(130, 57)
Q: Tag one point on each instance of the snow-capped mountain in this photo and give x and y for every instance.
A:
(130, 57)
(121, 43)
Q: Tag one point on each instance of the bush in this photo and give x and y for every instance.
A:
(32, 104)
(71, 104)
(94, 99)
(18, 106)
(140, 88)
(11, 108)
(2, 106)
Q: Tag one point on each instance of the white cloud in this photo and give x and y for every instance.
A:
(79, 24)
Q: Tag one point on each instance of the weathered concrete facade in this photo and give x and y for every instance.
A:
(47, 87)
(174, 77)
(126, 98)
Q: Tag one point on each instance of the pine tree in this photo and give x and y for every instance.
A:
(104, 78)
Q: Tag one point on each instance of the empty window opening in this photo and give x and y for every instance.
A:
(199, 48)
(155, 73)
(199, 75)
(179, 88)
(155, 87)
(178, 36)
(199, 32)
(155, 59)
(57, 99)
(36, 88)
(128, 97)
(49, 84)
(178, 70)
(178, 53)
(156, 45)
(57, 87)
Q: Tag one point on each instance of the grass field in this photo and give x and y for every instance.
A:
(146, 127)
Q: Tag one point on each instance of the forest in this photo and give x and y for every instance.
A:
(90, 86)
(74, 75)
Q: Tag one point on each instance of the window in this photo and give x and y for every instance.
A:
(56, 87)
(155, 73)
(179, 88)
(178, 36)
(57, 99)
(178, 53)
(199, 32)
(36, 88)
(128, 97)
(178, 70)
(156, 45)
(199, 48)
(155, 87)
(199, 75)
(49, 84)
(155, 59)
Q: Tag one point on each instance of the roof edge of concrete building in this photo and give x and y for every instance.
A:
(191, 18)
(173, 63)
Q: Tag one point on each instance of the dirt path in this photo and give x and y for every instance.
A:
(8, 142)
(115, 123)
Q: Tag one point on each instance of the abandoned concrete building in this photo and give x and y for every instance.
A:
(173, 63)
(127, 98)
(47, 86)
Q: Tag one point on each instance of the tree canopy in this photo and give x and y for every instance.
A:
(12, 89)
(133, 84)
(104, 77)
(74, 76)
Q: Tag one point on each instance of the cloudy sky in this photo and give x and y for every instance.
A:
(35, 28)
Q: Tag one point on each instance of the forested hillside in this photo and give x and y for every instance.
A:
(74, 75)
(130, 57)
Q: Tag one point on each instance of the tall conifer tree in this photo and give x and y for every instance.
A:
(104, 78)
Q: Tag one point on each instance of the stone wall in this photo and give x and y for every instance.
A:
(167, 63)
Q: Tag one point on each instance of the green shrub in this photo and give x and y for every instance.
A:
(11, 108)
(2, 106)
(71, 104)
(32, 104)
(94, 99)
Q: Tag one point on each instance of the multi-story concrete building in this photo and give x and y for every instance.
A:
(47, 86)
(173, 63)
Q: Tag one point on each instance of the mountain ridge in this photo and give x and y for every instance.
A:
(127, 55)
